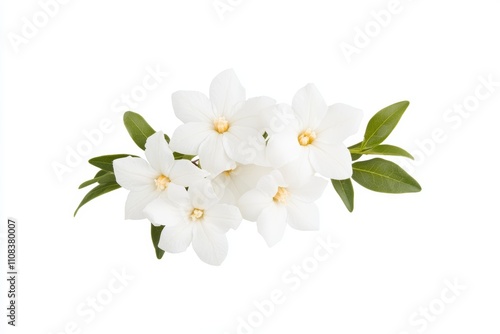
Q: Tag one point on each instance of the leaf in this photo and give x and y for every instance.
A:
(382, 123)
(388, 150)
(155, 237)
(384, 176)
(345, 191)
(99, 190)
(354, 151)
(181, 156)
(105, 162)
(106, 177)
(138, 129)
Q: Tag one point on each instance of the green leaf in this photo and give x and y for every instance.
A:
(105, 162)
(99, 190)
(346, 192)
(155, 237)
(180, 156)
(382, 123)
(137, 127)
(354, 151)
(388, 150)
(384, 176)
(107, 177)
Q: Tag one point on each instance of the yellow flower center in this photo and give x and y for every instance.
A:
(281, 195)
(221, 124)
(162, 182)
(196, 214)
(307, 137)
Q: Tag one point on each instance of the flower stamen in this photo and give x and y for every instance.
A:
(197, 214)
(307, 137)
(281, 195)
(221, 124)
(162, 182)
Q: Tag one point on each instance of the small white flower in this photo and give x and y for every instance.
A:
(277, 201)
(147, 181)
(194, 216)
(234, 182)
(220, 130)
(315, 142)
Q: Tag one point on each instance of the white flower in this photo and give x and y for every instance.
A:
(194, 216)
(277, 201)
(147, 181)
(232, 183)
(314, 142)
(221, 130)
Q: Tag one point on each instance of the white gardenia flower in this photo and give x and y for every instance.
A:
(148, 181)
(222, 130)
(314, 143)
(234, 182)
(194, 216)
(277, 201)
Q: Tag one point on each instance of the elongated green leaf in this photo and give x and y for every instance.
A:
(388, 150)
(107, 177)
(99, 190)
(384, 176)
(345, 191)
(100, 173)
(382, 123)
(105, 162)
(353, 149)
(155, 237)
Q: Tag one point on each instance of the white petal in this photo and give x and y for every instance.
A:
(178, 195)
(192, 106)
(202, 195)
(162, 212)
(223, 216)
(213, 157)
(176, 239)
(299, 170)
(159, 155)
(303, 216)
(186, 174)
(340, 122)
(245, 177)
(209, 243)
(279, 118)
(251, 112)
(271, 223)
(226, 92)
(309, 106)
(309, 190)
(134, 173)
(188, 137)
(137, 201)
(252, 203)
(243, 144)
(282, 148)
(331, 161)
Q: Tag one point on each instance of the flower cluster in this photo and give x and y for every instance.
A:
(235, 158)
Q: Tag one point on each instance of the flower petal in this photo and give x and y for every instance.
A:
(251, 112)
(159, 155)
(137, 201)
(271, 223)
(213, 157)
(332, 161)
(223, 216)
(340, 122)
(209, 243)
(299, 170)
(176, 239)
(309, 190)
(184, 173)
(188, 137)
(243, 144)
(162, 212)
(309, 106)
(303, 216)
(134, 173)
(226, 92)
(192, 106)
(282, 148)
(252, 203)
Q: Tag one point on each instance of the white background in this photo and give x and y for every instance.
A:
(396, 251)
